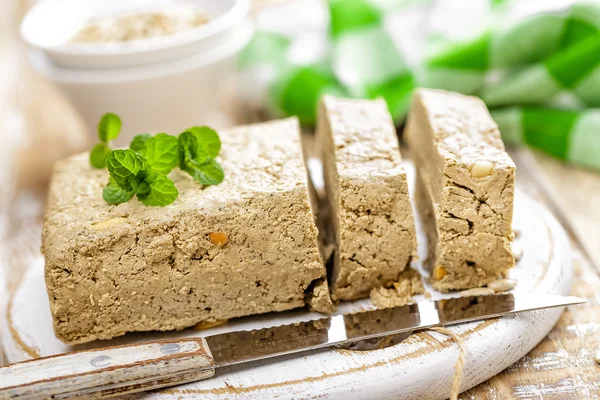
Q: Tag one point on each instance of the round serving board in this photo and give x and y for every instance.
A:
(421, 367)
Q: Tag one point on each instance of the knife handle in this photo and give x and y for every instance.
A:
(109, 371)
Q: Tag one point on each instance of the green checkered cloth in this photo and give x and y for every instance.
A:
(535, 63)
(285, 84)
(572, 135)
(365, 59)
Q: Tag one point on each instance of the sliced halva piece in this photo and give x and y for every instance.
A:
(367, 192)
(465, 188)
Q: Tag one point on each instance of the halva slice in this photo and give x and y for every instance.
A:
(367, 192)
(245, 246)
(465, 189)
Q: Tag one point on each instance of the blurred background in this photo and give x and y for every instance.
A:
(166, 65)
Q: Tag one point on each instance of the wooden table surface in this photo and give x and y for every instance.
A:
(38, 126)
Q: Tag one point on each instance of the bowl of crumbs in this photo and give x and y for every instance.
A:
(114, 34)
(163, 65)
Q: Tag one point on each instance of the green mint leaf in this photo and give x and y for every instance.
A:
(139, 142)
(187, 143)
(208, 139)
(113, 194)
(109, 127)
(199, 143)
(209, 173)
(98, 155)
(189, 150)
(161, 152)
(161, 191)
(145, 178)
(124, 167)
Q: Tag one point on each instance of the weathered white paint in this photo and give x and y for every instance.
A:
(109, 371)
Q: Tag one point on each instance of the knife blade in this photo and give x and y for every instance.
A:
(244, 346)
(118, 370)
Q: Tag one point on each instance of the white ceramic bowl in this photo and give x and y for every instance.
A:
(51, 24)
(165, 97)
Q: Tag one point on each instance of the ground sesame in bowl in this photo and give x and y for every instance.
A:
(139, 26)
(111, 34)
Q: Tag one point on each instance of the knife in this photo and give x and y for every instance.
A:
(118, 370)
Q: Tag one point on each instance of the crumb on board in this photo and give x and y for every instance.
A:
(398, 293)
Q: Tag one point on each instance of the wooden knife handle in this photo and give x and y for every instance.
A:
(109, 371)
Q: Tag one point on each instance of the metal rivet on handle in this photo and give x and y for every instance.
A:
(101, 361)
(170, 348)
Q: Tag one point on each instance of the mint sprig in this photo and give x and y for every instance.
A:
(99, 154)
(198, 147)
(161, 152)
(139, 142)
(109, 128)
(206, 139)
(161, 191)
(208, 173)
(113, 194)
(142, 169)
(130, 174)
(124, 167)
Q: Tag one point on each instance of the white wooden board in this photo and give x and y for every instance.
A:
(420, 367)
